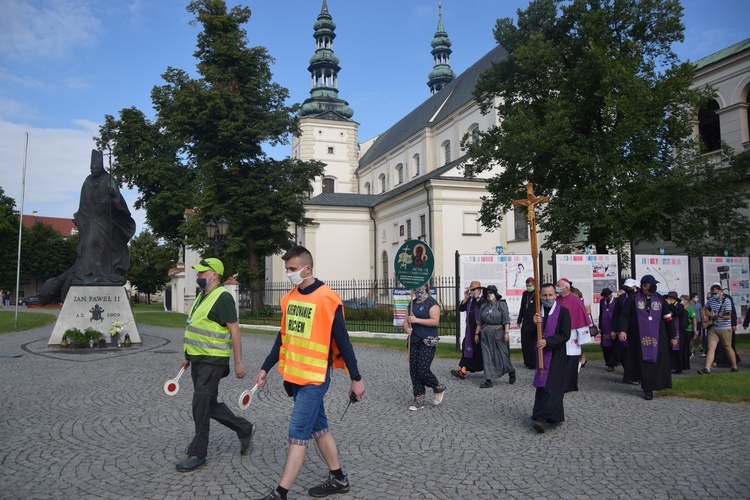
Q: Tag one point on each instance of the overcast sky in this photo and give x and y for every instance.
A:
(65, 64)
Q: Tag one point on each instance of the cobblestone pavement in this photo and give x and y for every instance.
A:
(96, 424)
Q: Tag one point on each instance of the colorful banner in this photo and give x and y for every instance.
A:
(590, 274)
(401, 300)
(671, 271)
(733, 273)
(508, 273)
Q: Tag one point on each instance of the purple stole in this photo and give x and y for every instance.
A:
(649, 320)
(469, 345)
(606, 319)
(540, 376)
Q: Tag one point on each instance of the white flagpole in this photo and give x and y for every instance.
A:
(20, 224)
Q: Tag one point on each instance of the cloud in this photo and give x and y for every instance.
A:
(33, 30)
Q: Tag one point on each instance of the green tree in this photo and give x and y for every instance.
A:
(204, 149)
(150, 263)
(45, 253)
(596, 112)
(8, 241)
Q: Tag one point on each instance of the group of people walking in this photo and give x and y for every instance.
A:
(648, 334)
(313, 340)
(648, 359)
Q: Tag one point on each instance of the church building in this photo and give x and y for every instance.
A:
(406, 183)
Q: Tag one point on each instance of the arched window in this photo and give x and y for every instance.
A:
(328, 185)
(399, 173)
(474, 134)
(381, 178)
(447, 152)
(415, 164)
(367, 188)
(708, 126)
(385, 265)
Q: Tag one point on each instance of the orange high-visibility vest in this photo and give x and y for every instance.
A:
(306, 342)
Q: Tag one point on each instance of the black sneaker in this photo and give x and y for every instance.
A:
(648, 395)
(271, 495)
(331, 486)
(190, 464)
(246, 441)
(704, 371)
(486, 384)
(735, 369)
(512, 378)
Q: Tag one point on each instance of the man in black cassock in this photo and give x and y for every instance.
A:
(526, 322)
(550, 381)
(648, 327)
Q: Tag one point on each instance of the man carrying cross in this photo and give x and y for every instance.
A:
(550, 381)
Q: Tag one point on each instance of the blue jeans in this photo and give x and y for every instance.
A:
(309, 415)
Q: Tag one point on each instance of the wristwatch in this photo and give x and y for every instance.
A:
(357, 378)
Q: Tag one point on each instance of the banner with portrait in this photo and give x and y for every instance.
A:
(508, 273)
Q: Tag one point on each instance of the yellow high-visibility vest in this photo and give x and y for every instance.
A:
(204, 337)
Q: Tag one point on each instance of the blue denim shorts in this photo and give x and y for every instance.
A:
(309, 416)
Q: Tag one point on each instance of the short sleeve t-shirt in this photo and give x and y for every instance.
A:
(691, 315)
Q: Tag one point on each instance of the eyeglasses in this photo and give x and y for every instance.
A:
(204, 263)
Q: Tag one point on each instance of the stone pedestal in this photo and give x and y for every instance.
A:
(95, 307)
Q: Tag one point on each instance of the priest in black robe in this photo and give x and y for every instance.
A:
(649, 328)
(471, 359)
(550, 379)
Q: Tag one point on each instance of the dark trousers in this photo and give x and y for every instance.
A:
(206, 379)
(528, 341)
(420, 359)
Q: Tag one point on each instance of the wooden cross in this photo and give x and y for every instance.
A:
(531, 201)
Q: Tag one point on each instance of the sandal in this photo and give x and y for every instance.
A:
(610, 368)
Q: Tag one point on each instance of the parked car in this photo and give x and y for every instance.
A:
(31, 301)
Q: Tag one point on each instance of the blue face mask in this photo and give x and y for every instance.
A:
(202, 282)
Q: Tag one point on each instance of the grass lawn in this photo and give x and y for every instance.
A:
(26, 320)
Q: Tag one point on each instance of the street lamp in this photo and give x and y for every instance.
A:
(217, 231)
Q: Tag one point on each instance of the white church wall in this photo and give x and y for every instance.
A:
(339, 242)
(731, 80)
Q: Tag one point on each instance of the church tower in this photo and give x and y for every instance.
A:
(327, 131)
(441, 74)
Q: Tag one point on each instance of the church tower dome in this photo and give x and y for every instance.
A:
(441, 74)
(324, 69)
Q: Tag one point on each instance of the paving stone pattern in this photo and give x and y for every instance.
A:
(77, 424)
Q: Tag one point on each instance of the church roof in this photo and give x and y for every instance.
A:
(723, 54)
(371, 200)
(452, 97)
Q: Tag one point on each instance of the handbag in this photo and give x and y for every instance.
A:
(593, 330)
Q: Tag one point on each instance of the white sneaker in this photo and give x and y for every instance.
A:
(417, 403)
(438, 398)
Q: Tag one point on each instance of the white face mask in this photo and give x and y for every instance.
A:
(295, 277)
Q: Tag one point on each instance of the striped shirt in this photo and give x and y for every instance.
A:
(723, 306)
